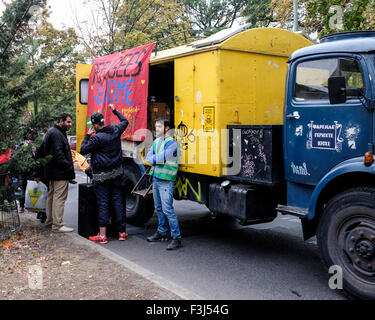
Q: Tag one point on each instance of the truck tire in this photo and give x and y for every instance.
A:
(346, 238)
(139, 210)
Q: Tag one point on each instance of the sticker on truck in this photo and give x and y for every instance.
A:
(325, 136)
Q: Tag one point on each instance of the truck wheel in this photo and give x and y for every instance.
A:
(139, 210)
(346, 238)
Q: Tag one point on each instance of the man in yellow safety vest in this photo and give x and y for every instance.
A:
(163, 156)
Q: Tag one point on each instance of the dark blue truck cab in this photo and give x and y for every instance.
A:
(319, 163)
(328, 141)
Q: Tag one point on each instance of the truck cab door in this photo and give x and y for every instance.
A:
(317, 134)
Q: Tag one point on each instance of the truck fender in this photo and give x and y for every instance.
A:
(351, 166)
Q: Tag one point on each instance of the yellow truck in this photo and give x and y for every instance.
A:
(205, 87)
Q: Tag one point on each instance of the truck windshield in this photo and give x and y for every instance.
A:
(312, 77)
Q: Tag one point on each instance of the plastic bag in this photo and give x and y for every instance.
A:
(36, 196)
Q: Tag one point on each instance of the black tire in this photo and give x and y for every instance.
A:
(139, 210)
(346, 238)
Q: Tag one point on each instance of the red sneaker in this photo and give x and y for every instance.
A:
(98, 239)
(123, 236)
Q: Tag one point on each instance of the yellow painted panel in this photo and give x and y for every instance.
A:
(271, 41)
(196, 89)
(206, 146)
(205, 79)
(270, 89)
(184, 92)
(82, 72)
(244, 84)
(236, 88)
(252, 89)
(237, 81)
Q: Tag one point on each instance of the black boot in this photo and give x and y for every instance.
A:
(43, 217)
(157, 237)
(174, 244)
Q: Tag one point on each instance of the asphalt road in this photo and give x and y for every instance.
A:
(222, 260)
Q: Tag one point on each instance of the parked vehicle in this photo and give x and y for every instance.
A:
(269, 123)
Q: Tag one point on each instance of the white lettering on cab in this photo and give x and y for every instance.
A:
(300, 170)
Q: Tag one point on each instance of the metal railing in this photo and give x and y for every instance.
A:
(9, 219)
(187, 36)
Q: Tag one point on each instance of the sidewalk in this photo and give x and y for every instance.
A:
(72, 268)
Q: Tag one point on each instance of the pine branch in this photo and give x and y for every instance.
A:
(14, 32)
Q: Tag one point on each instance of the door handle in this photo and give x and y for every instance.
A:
(294, 115)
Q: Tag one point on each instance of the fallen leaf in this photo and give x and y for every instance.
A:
(7, 244)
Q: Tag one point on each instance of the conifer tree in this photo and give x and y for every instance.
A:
(20, 83)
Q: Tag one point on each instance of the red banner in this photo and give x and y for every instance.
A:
(122, 79)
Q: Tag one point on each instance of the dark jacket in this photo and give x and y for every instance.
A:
(56, 144)
(105, 146)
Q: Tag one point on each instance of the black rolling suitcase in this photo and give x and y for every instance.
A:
(88, 224)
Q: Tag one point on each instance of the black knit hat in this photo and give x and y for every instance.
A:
(97, 118)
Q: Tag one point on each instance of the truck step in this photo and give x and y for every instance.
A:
(142, 193)
(294, 211)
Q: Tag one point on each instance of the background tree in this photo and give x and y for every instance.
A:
(259, 13)
(60, 96)
(369, 15)
(116, 25)
(21, 81)
(210, 16)
(323, 16)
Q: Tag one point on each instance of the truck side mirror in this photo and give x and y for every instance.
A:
(337, 90)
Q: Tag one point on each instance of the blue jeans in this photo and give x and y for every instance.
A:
(108, 193)
(163, 199)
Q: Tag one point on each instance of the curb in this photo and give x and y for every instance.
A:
(159, 281)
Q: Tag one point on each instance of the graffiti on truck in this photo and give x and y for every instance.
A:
(183, 185)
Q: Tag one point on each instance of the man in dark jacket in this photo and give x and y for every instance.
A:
(106, 163)
(58, 171)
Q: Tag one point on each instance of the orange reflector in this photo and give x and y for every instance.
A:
(369, 157)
